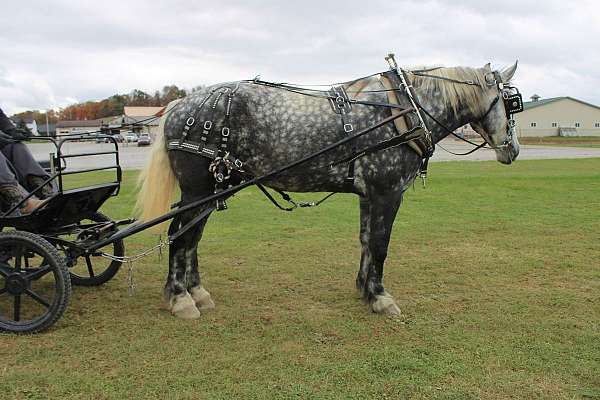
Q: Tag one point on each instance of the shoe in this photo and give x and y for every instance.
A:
(32, 205)
(46, 191)
(11, 195)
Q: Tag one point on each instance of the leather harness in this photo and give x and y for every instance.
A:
(411, 128)
(224, 164)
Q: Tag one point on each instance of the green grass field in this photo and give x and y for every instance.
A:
(496, 270)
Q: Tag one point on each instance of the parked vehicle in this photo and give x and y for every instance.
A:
(131, 137)
(144, 140)
(107, 138)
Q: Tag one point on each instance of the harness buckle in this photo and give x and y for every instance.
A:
(348, 128)
(190, 121)
(225, 131)
(207, 125)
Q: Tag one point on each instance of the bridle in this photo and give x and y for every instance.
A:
(513, 104)
(510, 95)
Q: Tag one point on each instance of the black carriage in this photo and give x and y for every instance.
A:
(41, 253)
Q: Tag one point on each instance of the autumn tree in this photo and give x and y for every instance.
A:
(139, 98)
(170, 93)
(109, 107)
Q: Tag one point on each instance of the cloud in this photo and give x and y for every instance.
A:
(54, 52)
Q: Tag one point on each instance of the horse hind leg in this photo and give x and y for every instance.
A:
(183, 292)
(199, 294)
(202, 298)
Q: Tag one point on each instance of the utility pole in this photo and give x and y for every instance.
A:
(47, 125)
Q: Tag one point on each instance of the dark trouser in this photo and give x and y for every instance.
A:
(16, 164)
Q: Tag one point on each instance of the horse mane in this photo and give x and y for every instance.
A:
(453, 94)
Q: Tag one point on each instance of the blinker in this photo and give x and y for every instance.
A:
(513, 103)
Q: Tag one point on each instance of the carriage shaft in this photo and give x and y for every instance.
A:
(135, 228)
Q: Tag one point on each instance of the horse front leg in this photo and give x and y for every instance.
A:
(183, 291)
(377, 218)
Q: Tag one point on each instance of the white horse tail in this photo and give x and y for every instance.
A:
(157, 181)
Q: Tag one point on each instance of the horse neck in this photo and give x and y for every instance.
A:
(443, 112)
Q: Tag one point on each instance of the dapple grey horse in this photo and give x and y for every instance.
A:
(271, 127)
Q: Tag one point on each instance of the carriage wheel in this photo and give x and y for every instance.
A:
(34, 283)
(94, 270)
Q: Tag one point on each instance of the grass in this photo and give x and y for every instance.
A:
(575, 141)
(496, 270)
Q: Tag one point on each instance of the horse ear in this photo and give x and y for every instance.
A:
(487, 67)
(508, 73)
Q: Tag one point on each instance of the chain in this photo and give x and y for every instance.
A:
(136, 257)
(130, 259)
(130, 285)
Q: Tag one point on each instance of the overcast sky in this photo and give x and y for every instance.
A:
(54, 53)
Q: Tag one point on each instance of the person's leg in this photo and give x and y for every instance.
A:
(11, 192)
(29, 172)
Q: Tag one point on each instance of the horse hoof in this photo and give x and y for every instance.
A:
(385, 304)
(184, 307)
(202, 298)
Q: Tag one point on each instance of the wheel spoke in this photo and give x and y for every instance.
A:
(17, 309)
(89, 266)
(37, 273)
(37, 298)
(5, 270)
(18, 254)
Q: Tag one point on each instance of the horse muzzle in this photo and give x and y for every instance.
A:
(507, 152)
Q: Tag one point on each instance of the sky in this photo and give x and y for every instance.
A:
(56, 53)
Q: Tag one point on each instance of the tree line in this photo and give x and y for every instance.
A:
(109, 107)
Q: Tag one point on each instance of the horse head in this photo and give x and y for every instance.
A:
(496, 125)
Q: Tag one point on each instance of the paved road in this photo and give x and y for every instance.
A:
(527, 152)
(133, 157)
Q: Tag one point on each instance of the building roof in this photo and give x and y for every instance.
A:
(141, 120)
(132, 111)
(84, 123)
(532, 104)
